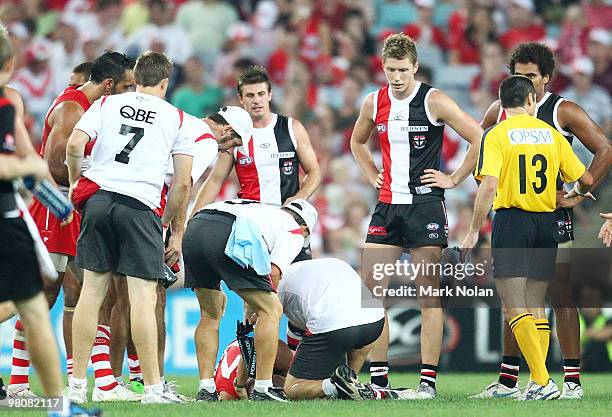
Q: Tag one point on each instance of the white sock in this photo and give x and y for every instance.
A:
(162, 379)
(156, 389)
(77, 381)
(329, 388)
(119, 380)
(208, 385)
(262, 385)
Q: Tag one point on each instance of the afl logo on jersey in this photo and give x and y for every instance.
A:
(419, 141)
(381, 128)
(264, 145)
(245, 160)
(288, 167)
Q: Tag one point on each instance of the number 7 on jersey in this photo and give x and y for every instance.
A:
(138, 132)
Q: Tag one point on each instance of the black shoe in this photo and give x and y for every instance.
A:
(2, 390)
(272, 394)
(349, 387)
(205, 395)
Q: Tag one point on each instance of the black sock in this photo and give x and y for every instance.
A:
(429, 374)
(509, 371)
(571, 369)
(379, 373)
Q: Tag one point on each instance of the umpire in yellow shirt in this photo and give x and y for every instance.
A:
(518, 165)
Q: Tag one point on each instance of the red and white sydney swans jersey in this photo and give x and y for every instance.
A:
(204, 151)
(410, 142)
(135, 134)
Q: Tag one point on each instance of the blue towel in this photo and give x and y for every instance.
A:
(246, 246)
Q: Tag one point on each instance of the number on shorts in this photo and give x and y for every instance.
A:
(138, 132)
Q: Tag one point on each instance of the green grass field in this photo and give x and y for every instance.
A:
(452, 402)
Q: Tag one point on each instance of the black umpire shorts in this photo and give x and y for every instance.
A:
(19, 271)
(206, 263)
(409, 225)
(318, 355)
(524, 244)
(120, 234)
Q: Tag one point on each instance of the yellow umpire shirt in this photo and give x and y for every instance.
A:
(525, 154)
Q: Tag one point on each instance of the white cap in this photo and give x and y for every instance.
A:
(583, 65)
(428, 4)
(601, 36)
(239, 120)
(525, 4)
(305, 210)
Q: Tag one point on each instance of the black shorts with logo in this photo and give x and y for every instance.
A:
(409, 225)
(564, 223)
(120, 234)
(19, 271)
(206, 263)
(318, 355)
(524, 244)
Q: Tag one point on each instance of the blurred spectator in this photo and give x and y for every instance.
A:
(36, 81)
(134, 16)
(523, 24)
(574, 36)
(592, 98)
(355, 26)
(287, 51)
(314, 33)
(238, 45)
(601, 55)
(206, 22)
(430, 40)
(485, 85)
(194, 96)
(345, 242)
(106, 24)
(161, 34)
(468, 32)
(67, 50)
(392, 14)
(598, 13)
(264, 36)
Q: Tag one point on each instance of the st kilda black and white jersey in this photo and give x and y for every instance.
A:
(410, 142)
(270, 173)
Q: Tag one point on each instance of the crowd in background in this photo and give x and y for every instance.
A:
(324, 58)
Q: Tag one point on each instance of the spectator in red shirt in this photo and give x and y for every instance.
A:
(598, 13)
(485, 85)
(430, 40)
(573, 39)
(478, 29)
(523, 24)
(287, 51)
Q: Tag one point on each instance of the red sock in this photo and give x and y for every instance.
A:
(134, 365)
(69, 365)
(21, 361)
(100, 359)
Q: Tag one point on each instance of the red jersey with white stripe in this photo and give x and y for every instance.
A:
(270, 173)
(410, 142)
(136, 133)
(226, 370)
(57, 238)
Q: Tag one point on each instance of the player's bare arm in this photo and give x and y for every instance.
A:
(308, 160)
(75, 149)
(359, 142)
(605, 233)
(443, 108)
(212, 186)
(175, 243)
(181, 184)
(490, 117)
(62, 120)
(574, 119)
(482, 206)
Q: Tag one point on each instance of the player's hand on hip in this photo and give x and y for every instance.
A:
(605, 234)
(563, 202)
(435, 178)
(377, 181)
(574, 193)
(173, 250)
